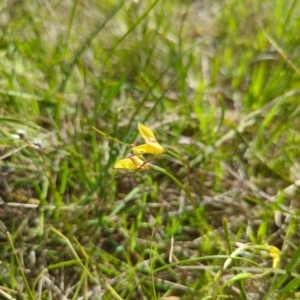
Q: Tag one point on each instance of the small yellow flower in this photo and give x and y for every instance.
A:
(132, 163)
(274, 252)
(151, 146)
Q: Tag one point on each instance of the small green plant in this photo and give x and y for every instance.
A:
(136, 161)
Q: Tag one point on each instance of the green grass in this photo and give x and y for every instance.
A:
(217, 82)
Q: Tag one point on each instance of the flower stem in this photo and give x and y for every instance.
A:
(173, 154)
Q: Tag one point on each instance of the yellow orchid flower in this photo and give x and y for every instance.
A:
(151, 146)
(132, 163)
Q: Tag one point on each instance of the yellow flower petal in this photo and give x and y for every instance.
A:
(274, 252)
(126, 163)
(132, 163)
(140, 163)
(146, 133)
(151, 148)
